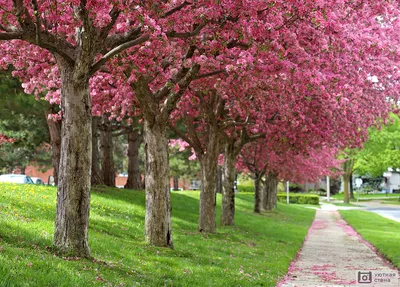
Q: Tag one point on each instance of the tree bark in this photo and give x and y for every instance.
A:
(106, 147)
(134, 177)
(351, 186)
(55, 138)
(270, 189)
(73, 197)
(228, 188)
(219, 179)
(348, 170)
(176, 183)
(257, 193)
(96, 172)
(158, 203)
(346, 195)
(208, 170)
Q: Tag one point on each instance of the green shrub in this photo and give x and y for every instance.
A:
(320, 192)
(246, 187)
(293, 187)
(299, 198)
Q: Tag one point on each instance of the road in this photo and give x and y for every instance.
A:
(390, 211)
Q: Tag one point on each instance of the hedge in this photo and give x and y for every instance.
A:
(245, 187)
(299, 198)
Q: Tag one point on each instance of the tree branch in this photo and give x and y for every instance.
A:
(145, 97)
(235, 43)
(183, 136)
(6, 29)
(38, 22)
(250, 166)
(173, 98)
(30, 32)
(116, 40)
(166, 89)
(117, 50)
(114, 14)
(186, 35)
(206, 75)
(11, 36)
(21, 10)
(189, 123)
(176, 9)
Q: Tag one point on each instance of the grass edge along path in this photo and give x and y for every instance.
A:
(255, 252)
(380, 232)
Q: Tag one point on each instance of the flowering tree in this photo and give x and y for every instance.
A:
(79, 36)
(290, 165)
(184, 41)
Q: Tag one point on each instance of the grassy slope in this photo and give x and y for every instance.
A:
(256, 252)
(383, 233)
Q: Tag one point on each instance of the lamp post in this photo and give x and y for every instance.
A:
(328, 189)
(287, 192)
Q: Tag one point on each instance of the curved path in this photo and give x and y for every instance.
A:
(332, 255)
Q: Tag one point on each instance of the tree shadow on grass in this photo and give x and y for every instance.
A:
(185, 208)
(135, 197)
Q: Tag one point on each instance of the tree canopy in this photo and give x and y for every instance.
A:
(22, 118)
(381, 150)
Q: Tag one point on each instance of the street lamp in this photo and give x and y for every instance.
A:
(287, 192)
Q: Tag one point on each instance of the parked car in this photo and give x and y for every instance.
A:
(16, 178)
(195, 184)
(37, 180)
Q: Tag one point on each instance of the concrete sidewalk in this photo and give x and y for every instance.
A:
(332, 254)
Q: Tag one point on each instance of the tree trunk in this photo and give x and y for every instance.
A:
(106, 147)
(257, 193)
(208, 170)
(158, 203)
(73, 197)
(176, 183)
(55, 138)
(219, 179)
(348, 170)
(96, 172)
(270, 192)
(228, 188)
(351, 186)
(134, 177)
(346, 197)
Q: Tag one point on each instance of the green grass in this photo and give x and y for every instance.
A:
(366, 195)
(391, 202)
(344, 204)
(340, 196)
(256, 252)
(383, 233)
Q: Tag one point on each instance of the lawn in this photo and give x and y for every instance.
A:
(391, 202)
(339, 196)
(344, 204)
(256, 252)
(383, 233)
